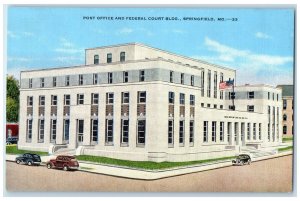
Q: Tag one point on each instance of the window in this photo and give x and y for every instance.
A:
(109, 98)
(181, 99)
(30, 83)
(110, 78)
(182, 78)
(192, 100)
(250, 94)
(66, 129)
(208, 83)
(221, 131)
(95, 99)
(80, 81)
(254, 131)
(67, 80)
(221, 77)
(208, 105)
(94, 130)
(141, 138)
(284, 117)
(141, 97)
(250, 108)
(125, 97)
(29, 100)
(109, 58)
(80, 99)
(42, 101)
(213, 134)
(284, 129)
(284, 104)
(192, 80)
(215, 106)
(80, 130)
(205, 131)
(67, 99)
(125, 131)
(269, 136)
(95, 78)
(259, 131)
(268, 95)
(54, 82)
(202, 83)
(142, 76)
(248, 131)
(53, 100)
(29, 130)
(171, 97)
(122, 56)
(191, 132)
(221, 106)
(277, 96)
(171, 76)
(41, 130)
(215, 84)
(109, 131)
(202, 104)
(125, 76)
(273, 95)
(171, 133)
(96, 59)
(181, 132)
(42, 82)
(53, 131)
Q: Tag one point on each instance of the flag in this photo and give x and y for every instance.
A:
(226, 84)
(222, 85)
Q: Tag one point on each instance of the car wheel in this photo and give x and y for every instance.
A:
(249, 162)
(18, 161)
(8, 143)
(242, 163)
(49, 166)
(29, 163)
(66, 168)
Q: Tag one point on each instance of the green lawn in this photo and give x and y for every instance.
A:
(13, 149)
(145, 164)
(285, 149)
(287, 139)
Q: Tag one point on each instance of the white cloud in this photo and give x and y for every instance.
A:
(18, 35)
(125, 31)
(262, 35)
(68, 59)
(67, 47)
(178, 31)
(19, 59)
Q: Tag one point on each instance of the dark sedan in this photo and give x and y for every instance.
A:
(242, 159)
(29, 159)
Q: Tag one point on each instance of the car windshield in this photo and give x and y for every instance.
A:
(36, 156)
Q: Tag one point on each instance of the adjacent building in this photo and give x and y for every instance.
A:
(135, 102)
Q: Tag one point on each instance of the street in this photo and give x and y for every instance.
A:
(274, 175)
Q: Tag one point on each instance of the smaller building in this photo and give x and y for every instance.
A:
(287, 109)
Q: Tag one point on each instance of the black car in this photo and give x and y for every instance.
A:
(11, 140)
(242, 159)
(29, 159)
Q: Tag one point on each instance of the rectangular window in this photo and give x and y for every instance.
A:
(208, 105)
(125, 76)
(284, 129)
(125, 97)
(80, 130)
(141, 97)
(30, 83)
(250, 94)
(202, 104)
(95, 78)
(254, 131)
(221, 92)
(171, 76)
(182, 78)
(268, 95)
(96, 59)
(171, 97)
(109, 58)
(191, 132)
(221, 131)
(54, 82)
(42, 101)
(42, 82)
(141, 138)
(67, 80)
(182, 99)
(29, 130)
(192, 100)
(53, 100)
(29, 100)
(215, 84)
(80, 79)
(122, 56)
(213, 134)
(250, 108)
(66, 130)
(259, 131)
(215, 106)
(124, 131)
(80, 99)
(67, 99)
(277, 96)
(273, 95)
(248, 131)
(208, 83)
(202, 83)
(109, 131)
(171, 133)
(142, 76)
(109, 98)
(94, 130)
(284, 104)
(205, 131)
(53, 131)
(41, 130)
(110, 78)
(181, 133)
(269, 136)
(95, 99)
(192, 80)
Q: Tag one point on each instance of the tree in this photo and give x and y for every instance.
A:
(12, 99)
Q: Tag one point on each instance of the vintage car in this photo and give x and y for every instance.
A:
(29, 159)
(63, 162)
(242, 159)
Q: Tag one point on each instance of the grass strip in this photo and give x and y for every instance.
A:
(287, 139)
(285, 149)
(13, 149)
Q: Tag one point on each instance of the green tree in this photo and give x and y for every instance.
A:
(12, 99)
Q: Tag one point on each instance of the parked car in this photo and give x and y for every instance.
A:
(242, 159)
(63, 162)
(11, 140)
(29, 159)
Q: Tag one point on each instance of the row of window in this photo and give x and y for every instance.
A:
(181, 98)
(109, 58)
(284, 105)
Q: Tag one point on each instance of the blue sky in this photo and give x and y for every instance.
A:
(259, 45)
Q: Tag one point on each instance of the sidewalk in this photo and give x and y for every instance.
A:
(134, 173)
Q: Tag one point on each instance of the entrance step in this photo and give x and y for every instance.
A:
(65, 151)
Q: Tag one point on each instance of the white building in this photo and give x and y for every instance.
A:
(135, 102)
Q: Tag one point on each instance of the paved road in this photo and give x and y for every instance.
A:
(274, 175)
